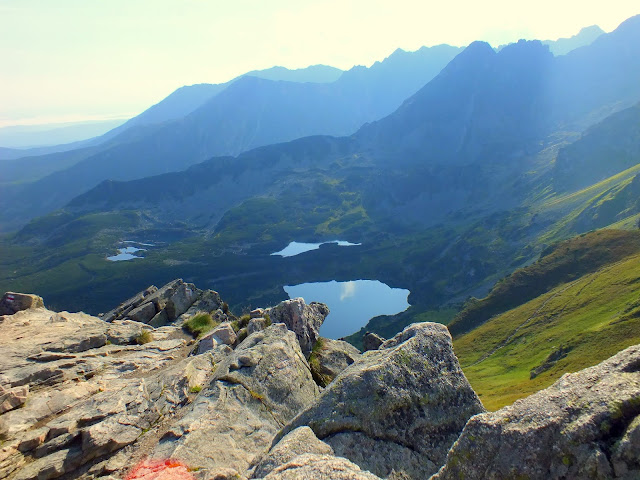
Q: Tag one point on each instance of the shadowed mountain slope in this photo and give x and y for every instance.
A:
(247, 113)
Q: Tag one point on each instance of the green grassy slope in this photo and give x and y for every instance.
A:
(558, 264)
(575, 325)
(599, 205)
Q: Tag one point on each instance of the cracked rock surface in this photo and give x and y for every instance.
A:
(254, 392)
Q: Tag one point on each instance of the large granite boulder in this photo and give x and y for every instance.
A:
(171, 301)
(12, 302)
(329, 358)
(586, 425)
(254, 392)
(304, 320)
(397, 409)
(224, 333)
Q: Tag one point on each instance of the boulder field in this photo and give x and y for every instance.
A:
(131, 394)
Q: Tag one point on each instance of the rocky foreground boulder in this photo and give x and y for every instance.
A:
(396, 410)
(86, 398)
(586, 425)
(304, 320)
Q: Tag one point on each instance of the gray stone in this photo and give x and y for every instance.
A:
(410, 395)
(626, 456)
(181, 299)
(319, 467)
(143, 313)
(12, 398)
(257, 313)
(207, 301)
(297, 442)
(304, 320)
(56, 443)
(219, 316)
(125, 307)
(224, 333)
(372, 341)
(159, 307)
(568, 430)
(207, 343)
(378, 455)
(33, 439)
(12, 302)
(329, 358)
(108, 436)
(124, 332)
(160, 319)
(225, 474)
(105, 394)
(256, 325)
(51, 466)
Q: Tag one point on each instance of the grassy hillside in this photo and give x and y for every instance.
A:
(599, 205)
(558, 264)
(575, 325)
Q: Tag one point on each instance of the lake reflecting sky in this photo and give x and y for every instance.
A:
(352, 303)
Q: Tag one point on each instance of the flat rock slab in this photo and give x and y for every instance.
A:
(12, 398)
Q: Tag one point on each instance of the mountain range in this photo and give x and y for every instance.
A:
(200, 121)
(197, 122)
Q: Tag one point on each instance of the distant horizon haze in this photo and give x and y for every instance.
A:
(74, 61)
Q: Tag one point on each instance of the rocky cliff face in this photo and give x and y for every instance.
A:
(117, 397)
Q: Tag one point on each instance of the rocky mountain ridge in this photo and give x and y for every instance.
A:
(202, 121)
(88, 397)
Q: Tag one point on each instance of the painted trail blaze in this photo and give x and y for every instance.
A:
(160, 470)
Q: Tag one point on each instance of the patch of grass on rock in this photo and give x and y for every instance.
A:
(144, 337)
(200, 324)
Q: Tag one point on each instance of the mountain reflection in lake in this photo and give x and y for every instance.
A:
(352, 303)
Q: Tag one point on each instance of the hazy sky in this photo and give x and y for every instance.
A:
(67, 60)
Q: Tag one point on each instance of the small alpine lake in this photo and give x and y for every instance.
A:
(352, 304)
(295, 248)
(127, 253)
